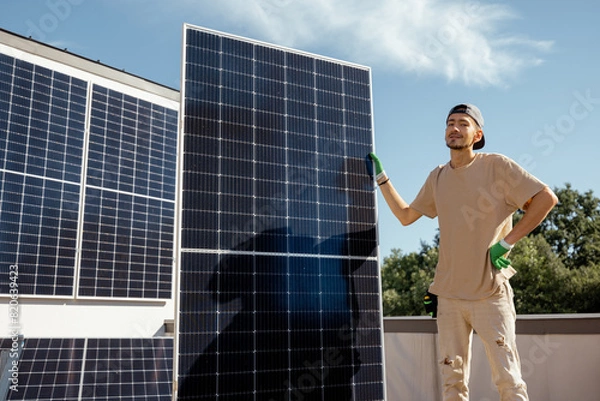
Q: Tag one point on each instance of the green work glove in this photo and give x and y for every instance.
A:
(497, 253)
(379, 172)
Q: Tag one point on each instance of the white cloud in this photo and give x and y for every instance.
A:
(458, 40)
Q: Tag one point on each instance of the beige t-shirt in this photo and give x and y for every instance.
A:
(474, 205)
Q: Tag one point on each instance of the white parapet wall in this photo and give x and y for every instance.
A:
(85, 319)
(560, 358)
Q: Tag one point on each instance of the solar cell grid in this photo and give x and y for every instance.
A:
(131, 164)
(127, 246)
(278, 218)
(42, 115)
(132, 145)
(94, 369)
(129, 204)
(128, 369)
(49, 369)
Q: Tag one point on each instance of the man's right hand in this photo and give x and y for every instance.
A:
(379, 171)
(402, 210)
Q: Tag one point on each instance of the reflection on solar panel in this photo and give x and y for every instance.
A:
(94, 369)
(279, 286)
(129, 188)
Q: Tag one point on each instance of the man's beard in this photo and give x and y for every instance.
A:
(457, 146)
(460, 146)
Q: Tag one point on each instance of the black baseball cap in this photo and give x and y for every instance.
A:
(473, 112)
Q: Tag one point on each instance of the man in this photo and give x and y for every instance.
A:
(474, 196)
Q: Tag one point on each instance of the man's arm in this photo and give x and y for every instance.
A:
(536, 212)
(397, 205)
(402, 210)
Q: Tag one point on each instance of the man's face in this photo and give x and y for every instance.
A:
(462, 131)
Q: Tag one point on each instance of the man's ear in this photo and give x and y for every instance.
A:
(478, 135)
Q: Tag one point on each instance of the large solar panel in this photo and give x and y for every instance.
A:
(279, 294)
(118, 242)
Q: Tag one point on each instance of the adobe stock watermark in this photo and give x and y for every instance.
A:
(58, 11)
(270, 6)
(490, 198)
(546, 140)
(448, 33)
(553, 134)
(349, 336)
(14, 328)
(537, 354)
(299, 181)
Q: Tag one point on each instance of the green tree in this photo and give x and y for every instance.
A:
(541, 284)
(405, 280)
(572, 228)
(585, 284)
(545, 285)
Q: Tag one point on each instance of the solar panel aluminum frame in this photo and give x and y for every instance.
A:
(179, 248)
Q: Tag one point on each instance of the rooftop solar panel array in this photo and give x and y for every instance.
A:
(124, 170)
(88, 169)
(279, 283)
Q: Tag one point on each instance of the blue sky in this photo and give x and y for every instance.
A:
(531, 67)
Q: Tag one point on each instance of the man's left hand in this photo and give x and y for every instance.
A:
(497, 253)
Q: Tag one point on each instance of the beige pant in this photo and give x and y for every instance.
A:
(493, 319)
